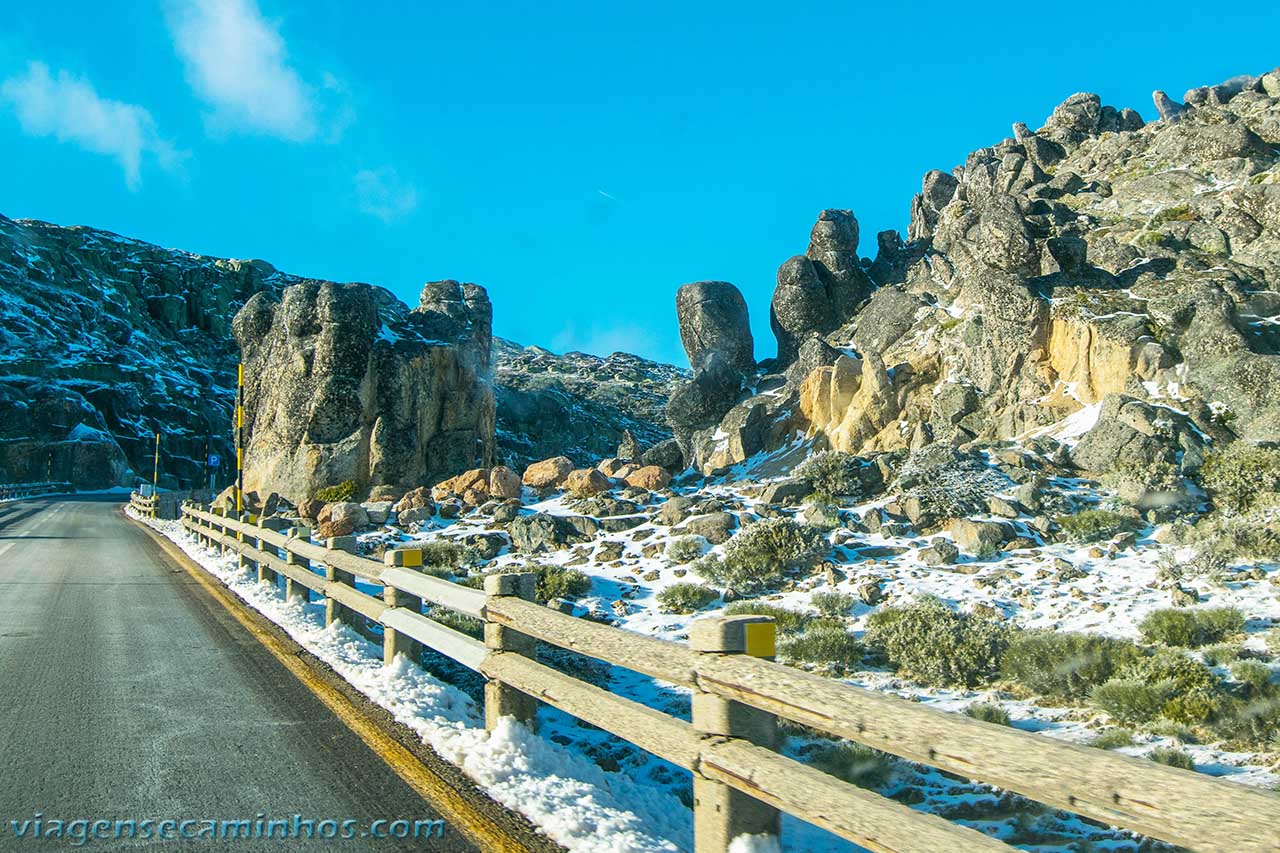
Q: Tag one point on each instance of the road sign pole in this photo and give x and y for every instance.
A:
(155, 474)
(239, 440)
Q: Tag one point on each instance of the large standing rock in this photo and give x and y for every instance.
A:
(343, 383)
(936, 191)
(713, 318)
(818, 291)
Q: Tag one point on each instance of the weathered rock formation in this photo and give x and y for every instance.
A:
(343, 383)
(1097, 256)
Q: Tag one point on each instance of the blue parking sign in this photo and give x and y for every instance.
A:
(214, 460)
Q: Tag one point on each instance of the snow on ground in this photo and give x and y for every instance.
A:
(643, 805)
(568, 797)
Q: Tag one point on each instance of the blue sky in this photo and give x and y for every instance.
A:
(580, 160)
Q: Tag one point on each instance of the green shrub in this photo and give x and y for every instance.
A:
(1241, 476)
(823, 643)
(560, 582)
(931, 643)
(758, 555)
(833, 472)
(833, 604)
(684, 549)
(1172, 757)
(1177, 213)
(1254, 722)
(468, 625)
(1232, 539)
(1255, 676)
(1221, 654)
(788, 621)
(344, 491)
(1130, 701)
(445, 554)
(685, 597)
(1189, 687)
(855, 763)
(1112, 738)
(988, 712)
(1191, 627)
(1094, 525)
(1066, 665)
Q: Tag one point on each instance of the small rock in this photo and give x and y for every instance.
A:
(940, 552)
(504, 483)
(870, 593)
(548, 474)
(650, 477)
(585, 482)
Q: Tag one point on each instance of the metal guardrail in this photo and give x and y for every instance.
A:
(741, 782)
(15, 491)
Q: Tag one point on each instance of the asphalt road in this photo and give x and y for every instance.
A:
(126, 692)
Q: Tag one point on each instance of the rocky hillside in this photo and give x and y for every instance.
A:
(107, 339)
(1097, 275)
(577, 405)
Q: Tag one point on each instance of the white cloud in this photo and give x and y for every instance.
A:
(237, 62)
(69, 109)
(382, 194)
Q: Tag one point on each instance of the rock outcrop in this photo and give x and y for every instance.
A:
(343, 383)
(1098, 258)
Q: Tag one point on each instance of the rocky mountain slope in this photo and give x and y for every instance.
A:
(1096, 274)
(107, 339)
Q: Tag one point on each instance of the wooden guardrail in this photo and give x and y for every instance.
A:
(741, 782)
(15, 491)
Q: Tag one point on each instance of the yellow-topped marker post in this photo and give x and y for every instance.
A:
(721, 813)
(239, 439)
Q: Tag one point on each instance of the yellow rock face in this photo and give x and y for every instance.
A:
(1092, 363)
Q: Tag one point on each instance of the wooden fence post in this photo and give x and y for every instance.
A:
(293, 589)
(393, 642)
(721, 813)
(265, 573)
(501, 700)
(333, 611)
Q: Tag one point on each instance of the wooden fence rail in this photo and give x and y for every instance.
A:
(15, 491)
(741, 781)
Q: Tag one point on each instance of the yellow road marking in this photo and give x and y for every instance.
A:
(474, 824)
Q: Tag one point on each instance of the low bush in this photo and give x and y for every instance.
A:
(1191, 627)
(1095, 525)
(445, 555)
(468, 625)
(1130, 701)
(1253, 722)
(933, 644)
(344, 491)
(684, 549)
(559, 582)
(1112, 738)
(823, 643)
(788, 621)
(1255, 676)
(833, 604)
(1189, 687)
(685, 597)
(988, 712)
(1241, 476)
(759, 555)
(855, 763)
(1172, 757)
(1233, 539)
(1221, 654)
(1066, 665)
(833, 472)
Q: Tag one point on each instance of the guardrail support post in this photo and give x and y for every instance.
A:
(293, 589)
(393, 642)
(721, 813)
(333, 611)
(265, 573)
(501, 700)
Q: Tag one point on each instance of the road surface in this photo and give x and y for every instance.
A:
(126, 692)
